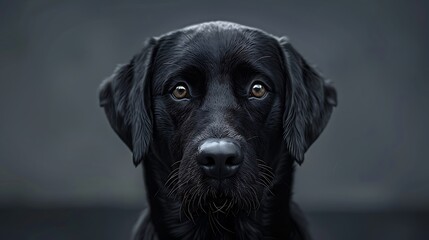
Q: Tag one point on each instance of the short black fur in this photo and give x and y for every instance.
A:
(218, 62)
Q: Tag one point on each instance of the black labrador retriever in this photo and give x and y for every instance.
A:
(218, 113)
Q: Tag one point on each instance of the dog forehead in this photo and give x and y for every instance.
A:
(215, 41)
(214, 47)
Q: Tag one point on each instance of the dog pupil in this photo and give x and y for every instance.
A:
(180, 91)
(258, 90)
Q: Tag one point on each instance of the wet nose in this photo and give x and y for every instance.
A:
(219, 157)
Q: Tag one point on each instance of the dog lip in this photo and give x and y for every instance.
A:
(218, 184)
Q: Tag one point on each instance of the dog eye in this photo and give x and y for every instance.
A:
(258, 90)
(180, 92)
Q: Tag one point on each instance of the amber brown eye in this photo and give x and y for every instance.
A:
(180, 92)
(258, 90)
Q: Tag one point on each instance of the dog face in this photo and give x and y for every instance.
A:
(218, 105)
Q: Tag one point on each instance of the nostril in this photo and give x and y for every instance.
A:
(207, 161)
(230, 161)
(210, 161)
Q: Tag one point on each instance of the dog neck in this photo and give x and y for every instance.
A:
(272, 220)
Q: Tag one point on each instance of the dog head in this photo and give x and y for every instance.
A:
(217, 103)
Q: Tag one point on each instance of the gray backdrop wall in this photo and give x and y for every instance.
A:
(56, 147)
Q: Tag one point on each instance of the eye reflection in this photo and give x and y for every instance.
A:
(180, 92)
(258, 90)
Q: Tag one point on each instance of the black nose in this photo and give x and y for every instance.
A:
(219, 157)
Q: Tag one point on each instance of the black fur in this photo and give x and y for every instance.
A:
(218, 61)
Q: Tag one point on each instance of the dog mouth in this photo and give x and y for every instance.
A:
(222, 205)
(223, 198)
(212, 203)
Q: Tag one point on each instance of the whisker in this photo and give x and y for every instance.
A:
(252, 138)
(265, 177)
(177, 162)
(219, 209)
(265, 167)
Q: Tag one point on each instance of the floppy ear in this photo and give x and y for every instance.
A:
(309, 102)
(125, 97)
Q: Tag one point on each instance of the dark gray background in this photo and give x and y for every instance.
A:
(57, 149)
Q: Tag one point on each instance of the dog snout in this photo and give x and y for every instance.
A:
(219, 157)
